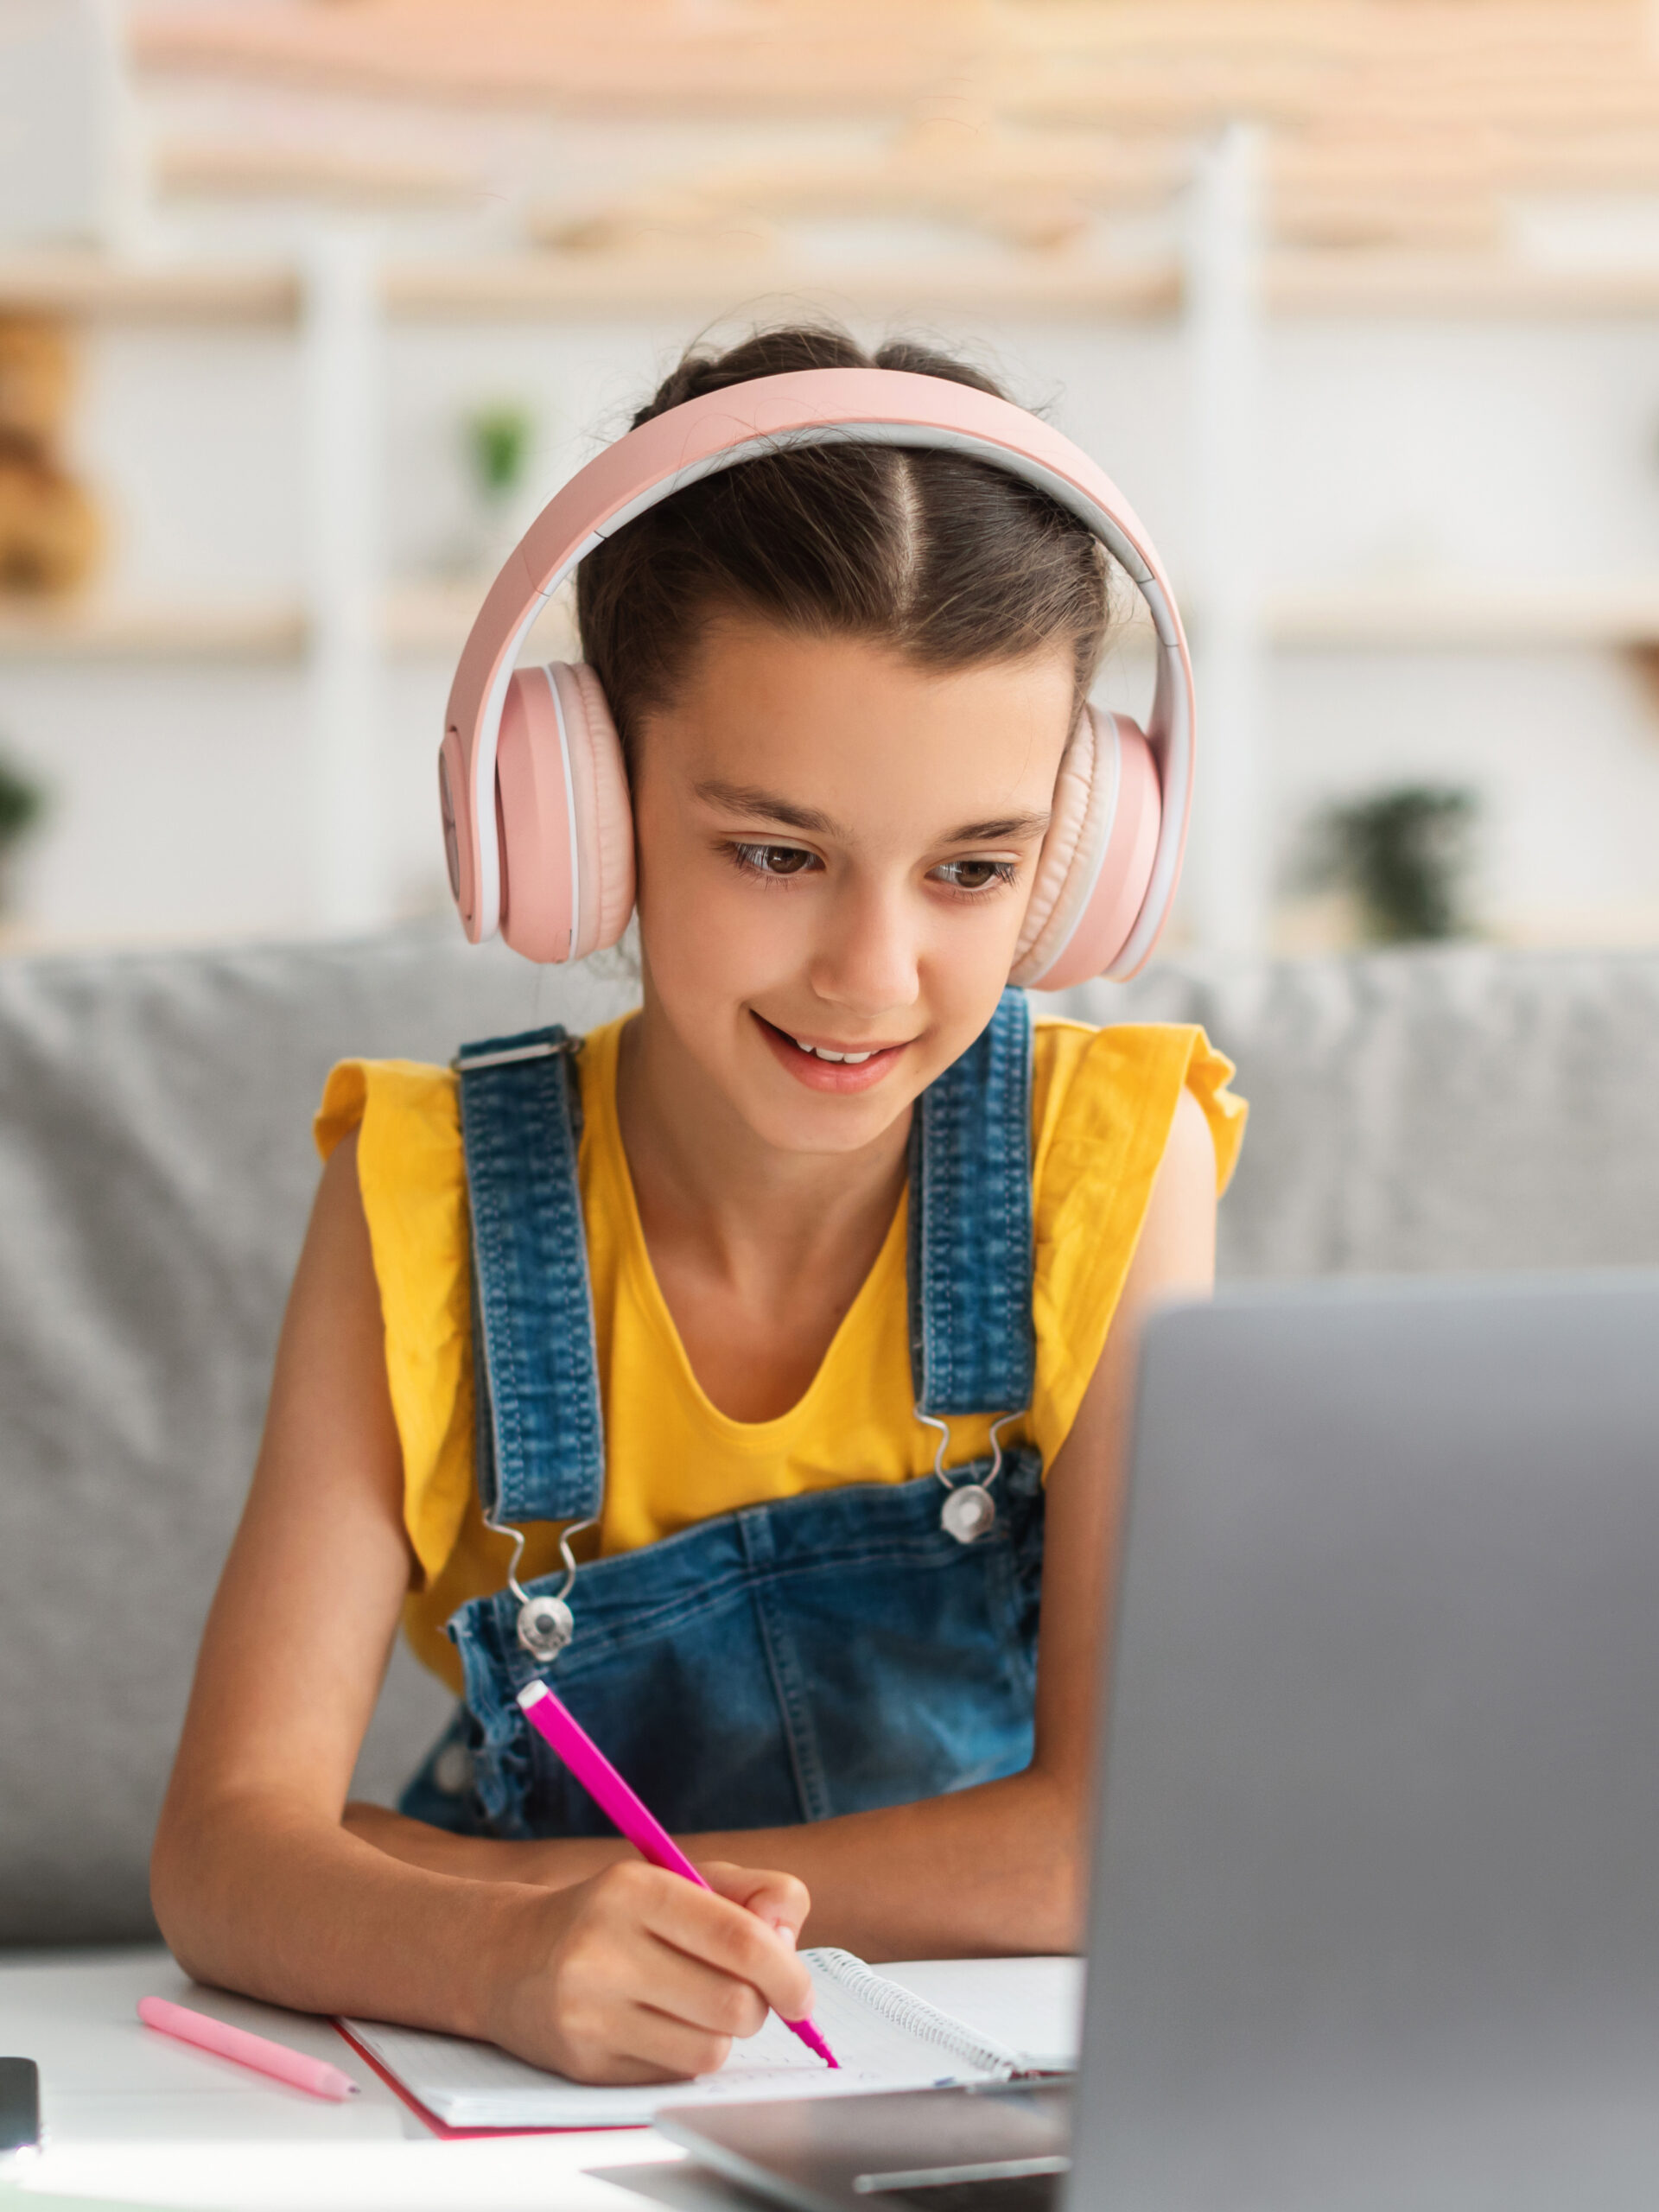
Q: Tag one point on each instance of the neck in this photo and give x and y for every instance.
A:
(702, 1177)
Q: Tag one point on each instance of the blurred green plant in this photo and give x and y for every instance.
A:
(1404, 854)
(22, 804)
(499, 441)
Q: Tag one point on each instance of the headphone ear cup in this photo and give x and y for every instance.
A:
(604, 816)
(1095, 864)
(565, 825)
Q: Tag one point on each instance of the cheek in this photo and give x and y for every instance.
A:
(968, 968)
(970, 939)
(706, 933)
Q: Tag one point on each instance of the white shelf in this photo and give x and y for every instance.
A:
(1461, 287)
(433, 619)
(1610, 613)
(92, 284)
(530, 286)
(94, 630)
(537, 287)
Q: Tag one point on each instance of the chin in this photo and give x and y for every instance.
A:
(822, 1132)
(789, 1118)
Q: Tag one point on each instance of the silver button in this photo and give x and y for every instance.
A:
(968, 1512)
(545, 1627)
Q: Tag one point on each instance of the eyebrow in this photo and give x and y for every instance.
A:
(766, 806)
(1000, 830)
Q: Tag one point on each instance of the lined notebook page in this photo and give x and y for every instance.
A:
(884, 2036)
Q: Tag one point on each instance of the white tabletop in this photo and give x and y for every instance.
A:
(134, 2117)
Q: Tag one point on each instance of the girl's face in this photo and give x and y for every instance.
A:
(836, 850)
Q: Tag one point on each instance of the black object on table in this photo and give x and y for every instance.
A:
(20, 2105)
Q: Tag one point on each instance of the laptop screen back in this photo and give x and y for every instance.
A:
(1376, 1918)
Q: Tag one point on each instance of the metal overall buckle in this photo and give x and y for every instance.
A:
(545, 1624)
(968, 1511)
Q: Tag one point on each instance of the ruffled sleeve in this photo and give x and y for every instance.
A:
(1102, 1105)
(411, 1172)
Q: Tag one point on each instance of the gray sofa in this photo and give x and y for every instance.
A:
(1461, 1109)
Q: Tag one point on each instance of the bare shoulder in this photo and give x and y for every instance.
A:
(1190, 1155)
(1177, 1248)
(337, 1253)
(338, 1201)
(330, 1414)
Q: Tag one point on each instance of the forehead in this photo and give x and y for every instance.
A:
(862, 732)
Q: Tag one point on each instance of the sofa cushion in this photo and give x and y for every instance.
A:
(1470, 1107)
(1413, 1110)
(156, 1172)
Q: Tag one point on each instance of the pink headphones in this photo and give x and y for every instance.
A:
(537, 823)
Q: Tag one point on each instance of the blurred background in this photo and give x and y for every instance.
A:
(306, 305)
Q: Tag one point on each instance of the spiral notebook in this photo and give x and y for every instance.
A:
(884, 2036)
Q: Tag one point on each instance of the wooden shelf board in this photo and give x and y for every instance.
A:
(531, 287)
(87, 283)
(1297, 282)
(419, 618)
(210, 170)
(432, 619)
(93, 631)
(528, 285)
(1610, 615)
(1456, 285)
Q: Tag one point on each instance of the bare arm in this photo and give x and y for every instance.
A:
(257, 1881)
(999, 1867)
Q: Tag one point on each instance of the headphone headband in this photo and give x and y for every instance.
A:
(742, 422)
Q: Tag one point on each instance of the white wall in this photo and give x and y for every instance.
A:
(192, 438)
(1484, 450)
(1492, 447)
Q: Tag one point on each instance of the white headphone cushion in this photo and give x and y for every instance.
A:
(1085, 791)
(604, 817)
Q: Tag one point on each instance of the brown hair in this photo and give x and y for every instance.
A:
(948, 559)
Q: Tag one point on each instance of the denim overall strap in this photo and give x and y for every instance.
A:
(826, 1653)
(541, 1437)
(973, 1343)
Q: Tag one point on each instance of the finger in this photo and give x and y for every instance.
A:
(614, 1987)
(646, 2046)
(781, 1900)
(702, 1996)
(674, 2051)
(724, 1936)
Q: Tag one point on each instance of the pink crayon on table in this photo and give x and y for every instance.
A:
(622, 1804)
(314, 2074)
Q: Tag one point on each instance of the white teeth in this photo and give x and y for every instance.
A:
(852, 1059)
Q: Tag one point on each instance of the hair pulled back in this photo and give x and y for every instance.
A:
(948, 559)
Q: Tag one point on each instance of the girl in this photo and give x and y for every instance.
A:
(776, 1341)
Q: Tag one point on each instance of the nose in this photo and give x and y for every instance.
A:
(867, 960)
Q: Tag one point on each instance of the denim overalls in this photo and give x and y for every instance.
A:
(821, 1654)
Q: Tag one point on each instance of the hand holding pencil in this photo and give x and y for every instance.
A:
(620, 1978)
(622, 1804)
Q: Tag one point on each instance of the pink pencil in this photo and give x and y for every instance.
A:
(623, 1805)
(258, 2051)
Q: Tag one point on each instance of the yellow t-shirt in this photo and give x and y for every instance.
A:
(1103, 1102)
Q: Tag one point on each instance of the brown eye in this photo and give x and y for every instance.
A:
(773, 860)
(975, 875)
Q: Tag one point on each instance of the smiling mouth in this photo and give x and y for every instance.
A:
(837, 1056)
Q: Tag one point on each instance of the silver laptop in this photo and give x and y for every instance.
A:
(1376, 1894)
